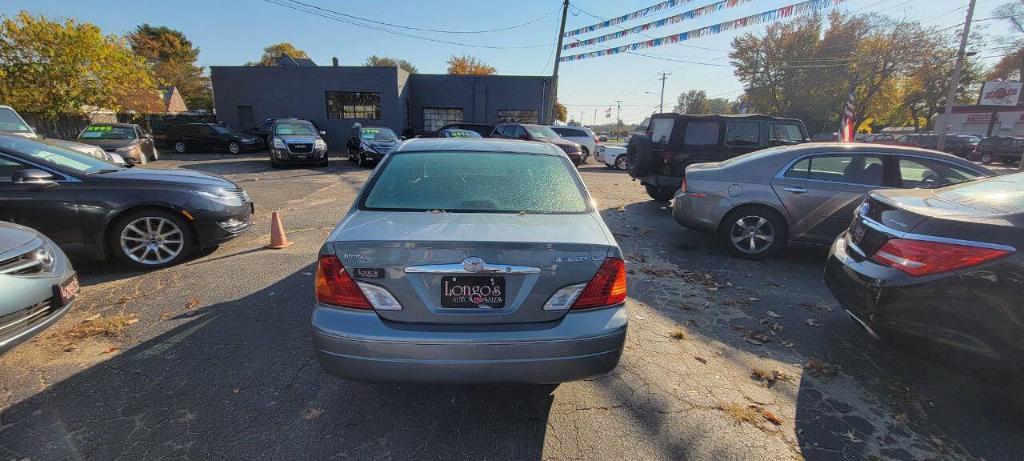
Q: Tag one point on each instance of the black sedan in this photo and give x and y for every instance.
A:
(192, 137)
(937, 273)
(144, 218)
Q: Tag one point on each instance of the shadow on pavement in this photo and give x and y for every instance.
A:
(239, 380)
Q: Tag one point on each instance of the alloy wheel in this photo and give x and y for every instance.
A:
(152, 240)
(180, 147)
(234, 148)
(620, 163)
(752, 234)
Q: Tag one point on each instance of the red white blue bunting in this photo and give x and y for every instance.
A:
(628, 17)
(797, 9)
(694, 13)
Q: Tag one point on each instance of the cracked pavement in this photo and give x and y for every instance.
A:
(220, 362)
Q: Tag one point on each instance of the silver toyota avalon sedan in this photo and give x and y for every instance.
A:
(468, 261)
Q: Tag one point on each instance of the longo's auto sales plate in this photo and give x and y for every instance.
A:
(67, 290)
(469, 292)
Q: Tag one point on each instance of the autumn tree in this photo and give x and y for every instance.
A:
(468, 65)
(692, 102)
(173, 60)
(55, 68)
(560, 111)
(1010, 66)
(384, 61)
(720, 106)
(272, 52)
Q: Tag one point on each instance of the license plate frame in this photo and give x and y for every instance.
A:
(67, 290)
(457, 292)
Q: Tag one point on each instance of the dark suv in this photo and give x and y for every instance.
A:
(294, 140)
(540, 133)
(1005, 149)
(202, 137)
(659, 157)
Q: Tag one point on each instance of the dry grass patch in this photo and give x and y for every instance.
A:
(769, 377)
(678, 335)
(110, 327)
(752, 414)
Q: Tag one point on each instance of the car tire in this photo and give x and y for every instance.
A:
(759, 226)
(165, 239)
(274, 163)
(323, 163)
(986, 158)
(640, 155)
(660, 194)
(234, 147)
(585, 154)
(156, 155)
(361, 160)
(180, 147)
(621, 163)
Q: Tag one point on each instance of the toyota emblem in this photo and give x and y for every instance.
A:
(472, 264)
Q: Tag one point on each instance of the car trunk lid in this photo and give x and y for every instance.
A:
(524, 258)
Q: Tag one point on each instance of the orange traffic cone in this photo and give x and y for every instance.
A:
(277, 238)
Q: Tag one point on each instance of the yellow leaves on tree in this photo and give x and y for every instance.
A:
(55, 67)
(468, 65)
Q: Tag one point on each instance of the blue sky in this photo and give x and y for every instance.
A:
(234, 32)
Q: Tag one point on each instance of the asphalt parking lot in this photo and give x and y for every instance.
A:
(725, 359)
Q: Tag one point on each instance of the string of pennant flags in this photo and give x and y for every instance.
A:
(666, 5)
(788, 11)
(676, 19)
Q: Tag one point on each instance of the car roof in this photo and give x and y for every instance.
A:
(375, 127)
(119, 125)
(478, 145)
(291, 120)
(727, 116)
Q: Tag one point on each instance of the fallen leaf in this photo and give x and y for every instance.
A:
(71, 349)
(753, 299)
(754, 341)
(812, 323)
(192, 304)
(771, 417)
(307, 273)
(773, 315)
(236, 390)
(312, 413)
(621, 208)
(93, 317)
(787, 343)
(700, 359)
(111, 350)
(132, 321)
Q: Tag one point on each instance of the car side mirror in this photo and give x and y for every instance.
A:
(33, 176)
(147, 136)
(322, 132)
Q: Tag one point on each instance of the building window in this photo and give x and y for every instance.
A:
(436, 117)
(518, 116)
(353, 105)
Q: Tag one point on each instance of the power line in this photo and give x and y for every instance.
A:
(394, 32)
(421, 29)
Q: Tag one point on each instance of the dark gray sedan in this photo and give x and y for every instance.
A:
(469, 260)
(759, 202)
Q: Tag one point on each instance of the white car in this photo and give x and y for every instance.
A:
(582, 136)
(614, 157)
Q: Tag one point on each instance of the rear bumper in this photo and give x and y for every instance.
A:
(660, 180)
(696, 213)
(360, 345)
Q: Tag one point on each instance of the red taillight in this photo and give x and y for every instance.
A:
(607, 288)
(334, 285)
(918, 258)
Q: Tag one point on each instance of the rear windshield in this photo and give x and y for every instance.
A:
(476, 182)
(1002, 193)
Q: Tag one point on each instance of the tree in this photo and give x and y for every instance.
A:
(468, 65)
(692, 102)
(58, 68)
(172, 58)
(272, 52)
(384, 61)
(719, 106)
(561, 112)
(1011, 66)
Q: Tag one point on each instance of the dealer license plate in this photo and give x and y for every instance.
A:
(463, 291)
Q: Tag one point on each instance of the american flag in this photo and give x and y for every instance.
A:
(846, 125)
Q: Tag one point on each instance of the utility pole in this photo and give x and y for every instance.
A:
(955, 80)
(595, 117)
(661, 106)
(554, 74)
(618, 111)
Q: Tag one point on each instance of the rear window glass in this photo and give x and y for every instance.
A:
(1002, 193)
(661, 129)
(9, 121)
(476, 182)
(789, 133)
(742, 133)
(701, 134)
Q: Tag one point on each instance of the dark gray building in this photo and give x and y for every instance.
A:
(336, 97)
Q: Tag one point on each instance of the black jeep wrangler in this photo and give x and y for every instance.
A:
(659, 157)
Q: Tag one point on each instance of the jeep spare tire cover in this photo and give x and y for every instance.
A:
(640, 156)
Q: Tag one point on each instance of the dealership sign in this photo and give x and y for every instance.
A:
(1000, 94)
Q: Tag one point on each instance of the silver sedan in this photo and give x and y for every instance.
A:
(467, 261)
(758, 202)
(37, 284)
